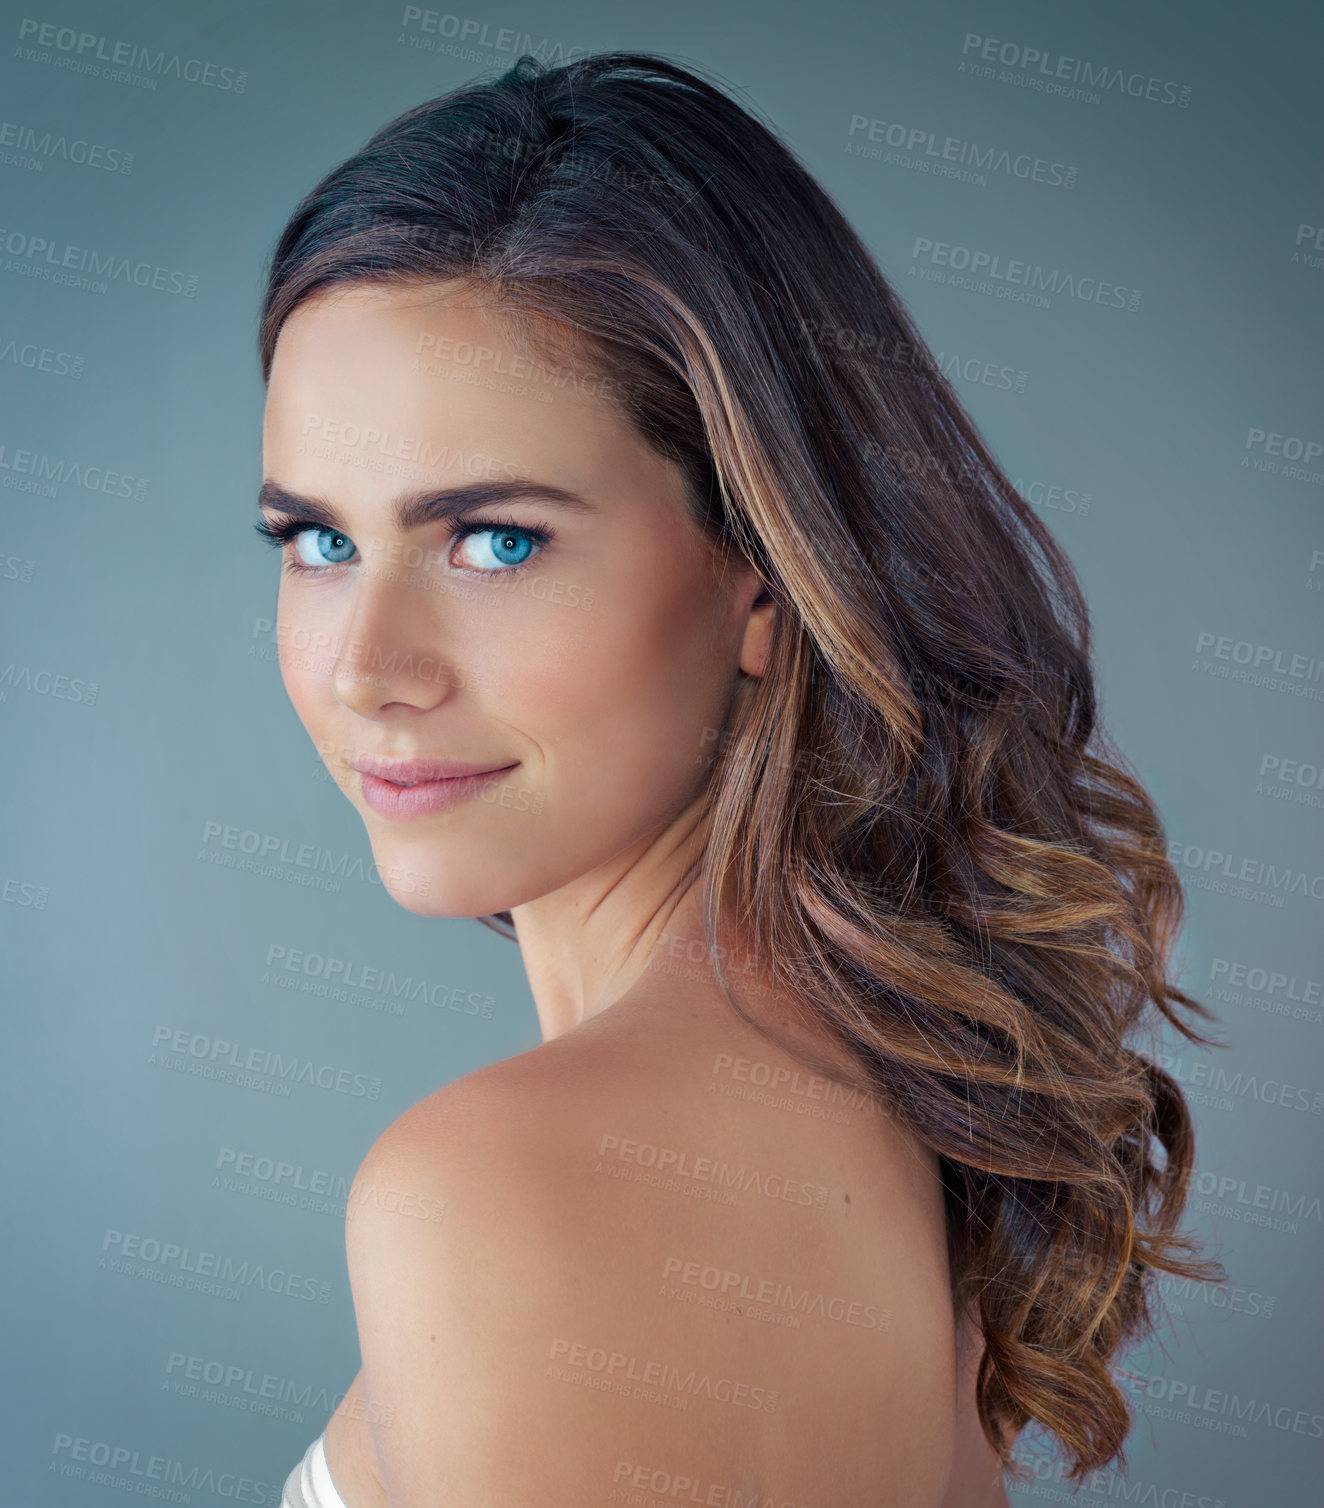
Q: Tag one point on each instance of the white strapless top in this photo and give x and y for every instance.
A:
(309, 1485)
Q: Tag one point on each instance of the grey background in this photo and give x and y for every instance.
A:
(119, 923)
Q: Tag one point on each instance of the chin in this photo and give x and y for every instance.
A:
(433, 892)
(415, 877)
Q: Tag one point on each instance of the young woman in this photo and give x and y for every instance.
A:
(650, 595)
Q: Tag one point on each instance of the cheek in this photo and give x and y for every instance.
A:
(306, 643)
(629, 689)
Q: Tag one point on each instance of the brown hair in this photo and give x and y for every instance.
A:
(916, 813)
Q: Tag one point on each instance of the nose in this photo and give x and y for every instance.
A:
(391, 656)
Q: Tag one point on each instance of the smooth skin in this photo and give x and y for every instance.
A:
(545, 1319)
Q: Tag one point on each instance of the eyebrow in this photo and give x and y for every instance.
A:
(412, 510)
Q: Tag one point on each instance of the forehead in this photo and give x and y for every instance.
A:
(426, 376)
(357, 316)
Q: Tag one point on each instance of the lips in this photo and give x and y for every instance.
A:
(410, 772)
(402, 788)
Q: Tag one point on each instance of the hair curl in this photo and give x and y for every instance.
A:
(918, 819)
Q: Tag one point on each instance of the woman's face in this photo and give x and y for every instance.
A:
(593, 667)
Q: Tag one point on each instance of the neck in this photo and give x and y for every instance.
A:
(590, 943)
(585, 945)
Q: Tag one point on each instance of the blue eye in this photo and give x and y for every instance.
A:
(328, 547)
(496, 547)
(488, 546)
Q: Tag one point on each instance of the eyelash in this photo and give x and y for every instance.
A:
(285, 530)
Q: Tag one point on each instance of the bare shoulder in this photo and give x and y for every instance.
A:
(491, 1191)
(484, 1273)
(476, 1158)
(512, 1132)
(582, 1263)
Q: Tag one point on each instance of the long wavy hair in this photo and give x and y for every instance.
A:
(918, 821)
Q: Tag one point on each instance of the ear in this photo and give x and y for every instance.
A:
(757, 642)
